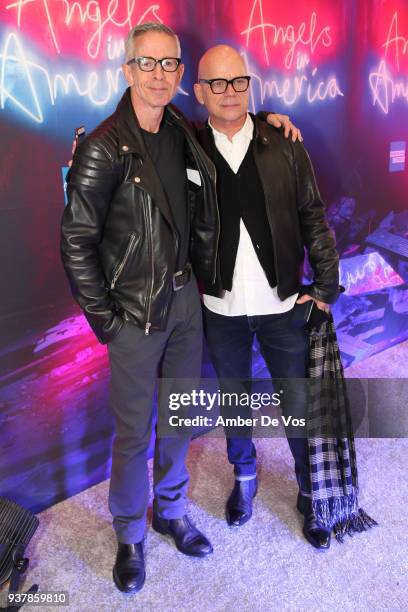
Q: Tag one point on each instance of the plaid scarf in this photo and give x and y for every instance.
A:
(332, 456)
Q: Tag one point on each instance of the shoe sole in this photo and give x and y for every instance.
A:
(166, 533)
(118, 586)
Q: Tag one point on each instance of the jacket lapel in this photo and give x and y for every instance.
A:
(270, 162)
(131, 142)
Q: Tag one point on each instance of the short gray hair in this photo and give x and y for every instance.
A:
(144, 28)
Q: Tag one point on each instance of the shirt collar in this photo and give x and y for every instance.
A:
(246, 131)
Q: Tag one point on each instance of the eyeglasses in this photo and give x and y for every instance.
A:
(148, 64)
(219, 86)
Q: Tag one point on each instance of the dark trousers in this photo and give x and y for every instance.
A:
(134, 360)
(285, 351)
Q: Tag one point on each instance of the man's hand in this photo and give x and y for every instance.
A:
(320, 305)
(278, 121)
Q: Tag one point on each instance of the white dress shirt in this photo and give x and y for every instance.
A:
(251, 293)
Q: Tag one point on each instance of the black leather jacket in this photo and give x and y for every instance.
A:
(119, 242)
(295, 213)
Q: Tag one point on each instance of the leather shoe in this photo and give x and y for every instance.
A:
(129, 569)
(315, 533)
(188, 539)
(239, 504)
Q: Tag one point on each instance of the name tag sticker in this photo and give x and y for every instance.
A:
(194, 176)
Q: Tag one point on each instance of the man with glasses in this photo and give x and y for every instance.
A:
(134, 237)
(270, 211)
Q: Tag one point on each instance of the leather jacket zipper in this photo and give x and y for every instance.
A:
(149, 302)
(119, 268)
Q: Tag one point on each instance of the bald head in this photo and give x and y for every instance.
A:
(223, 88)
(221, 61)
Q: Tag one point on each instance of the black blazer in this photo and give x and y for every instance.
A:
(295, 212)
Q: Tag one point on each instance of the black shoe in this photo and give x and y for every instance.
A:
(186, 537)
(315, 533)
(239, 505)
(129, 569)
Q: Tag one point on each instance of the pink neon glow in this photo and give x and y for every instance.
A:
(390, 39)
(387, 88)
(388, 81)
(84, 351)
(78, 28)
(72, 327)
(288, 37)
(364, 273)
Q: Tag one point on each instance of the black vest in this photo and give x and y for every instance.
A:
(241, 195)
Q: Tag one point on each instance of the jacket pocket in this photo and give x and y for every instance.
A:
(118, 269)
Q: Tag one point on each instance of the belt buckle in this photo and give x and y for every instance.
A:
(179, 273)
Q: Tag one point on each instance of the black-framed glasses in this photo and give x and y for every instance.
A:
(219, 86)
(148, 64)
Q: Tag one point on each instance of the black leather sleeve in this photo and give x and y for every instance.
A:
(263, 116)
(90, 184)
(316, 234)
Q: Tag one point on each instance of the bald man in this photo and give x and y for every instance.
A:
(270, 210)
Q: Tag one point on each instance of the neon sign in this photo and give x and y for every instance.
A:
(289, 35)
(395, 41)
(385, 87)
(364, 273)
(91, 17)
(298, 46)
(311, 88)
(97, 87)
(16, 66)
(27, 83)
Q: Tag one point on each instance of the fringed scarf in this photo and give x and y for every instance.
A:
(332, 456)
